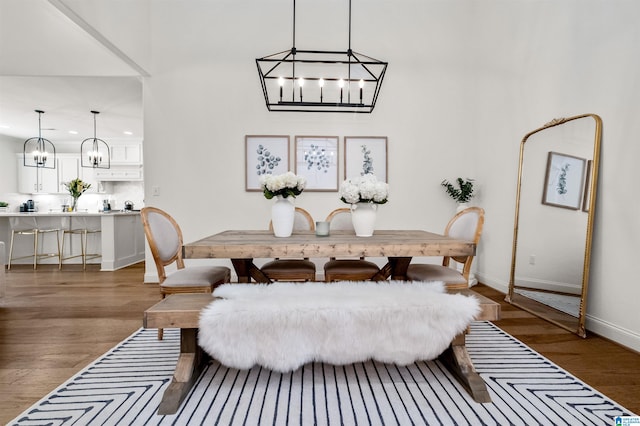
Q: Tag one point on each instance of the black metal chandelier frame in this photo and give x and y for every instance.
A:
(356, 72)
(96, 151)
(40, 151)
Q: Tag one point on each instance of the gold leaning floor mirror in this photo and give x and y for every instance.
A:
(554, 216)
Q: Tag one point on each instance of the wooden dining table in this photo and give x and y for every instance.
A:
(397, 246)
(242, 247)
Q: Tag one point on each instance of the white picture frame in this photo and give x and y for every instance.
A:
(264, 155)
(366, 154)
(317, 160)
(564, 181)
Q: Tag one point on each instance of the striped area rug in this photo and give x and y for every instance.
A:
(124, 387)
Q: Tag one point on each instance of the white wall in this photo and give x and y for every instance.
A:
(8, 147)
(466, 81)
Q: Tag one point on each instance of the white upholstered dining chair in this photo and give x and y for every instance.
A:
(346, 269)
(293, 269)
(165, 241)
(465, 225)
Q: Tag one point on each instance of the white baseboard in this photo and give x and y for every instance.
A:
(613, 332)
(620, 335)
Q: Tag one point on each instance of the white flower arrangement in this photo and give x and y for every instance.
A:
(364, 189)
(287, 185)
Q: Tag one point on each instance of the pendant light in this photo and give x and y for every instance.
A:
(94, 152)
(39, 152)
(320, 81)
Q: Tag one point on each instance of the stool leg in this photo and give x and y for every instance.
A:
(83, 246)
(59, 249)
(35, 249)
(62, 249)
(11, 249)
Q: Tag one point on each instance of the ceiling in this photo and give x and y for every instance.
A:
(52, 60)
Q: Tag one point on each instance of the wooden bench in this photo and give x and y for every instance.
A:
(183, 311)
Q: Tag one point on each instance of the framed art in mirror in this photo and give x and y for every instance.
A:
(264, 155)
(564, 181)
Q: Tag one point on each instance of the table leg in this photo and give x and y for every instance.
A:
(457, 360)
(246, 270)
(190, 364)
(396, 268)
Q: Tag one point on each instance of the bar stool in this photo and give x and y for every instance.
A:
(81, 226)
(28, 225)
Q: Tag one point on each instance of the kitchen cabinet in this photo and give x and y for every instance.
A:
(68, 170)
(33, 180)
(88, 175)
(126, 154)
(119, 173)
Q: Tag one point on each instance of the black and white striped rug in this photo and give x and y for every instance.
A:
(124, 387)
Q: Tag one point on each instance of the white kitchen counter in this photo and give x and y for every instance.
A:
(121, 241)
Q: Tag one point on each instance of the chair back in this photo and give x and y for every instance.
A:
(340, 220)
(302, 221)
(466, 225)
(164, 237)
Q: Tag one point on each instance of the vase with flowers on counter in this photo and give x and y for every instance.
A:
(364, 194)
(76, 188)
(284, 188)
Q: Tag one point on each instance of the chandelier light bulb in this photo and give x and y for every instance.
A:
(321, 82)
(341, 83)
(361, 83)
(281, 83)
(300, 83)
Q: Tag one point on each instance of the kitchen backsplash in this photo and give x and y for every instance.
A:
(116, 192)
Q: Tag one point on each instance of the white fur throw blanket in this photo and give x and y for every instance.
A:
(283, 326)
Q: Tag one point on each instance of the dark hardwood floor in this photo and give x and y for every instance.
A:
(52, 324)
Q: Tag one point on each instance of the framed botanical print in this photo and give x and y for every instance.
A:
(317, 161)
(264, 155)
(365, 155)
(564, 181)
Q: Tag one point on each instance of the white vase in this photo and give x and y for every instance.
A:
(282, 216)
(461, 206)
(363, 217)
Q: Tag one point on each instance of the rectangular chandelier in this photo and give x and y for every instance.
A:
(320, 81)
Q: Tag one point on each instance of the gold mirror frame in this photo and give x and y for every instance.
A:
(537, 308)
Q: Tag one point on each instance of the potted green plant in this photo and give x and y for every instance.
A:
(4, 206)
(461, 193)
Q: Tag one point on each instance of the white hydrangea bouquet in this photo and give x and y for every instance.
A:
(364, 189)
(286, 185)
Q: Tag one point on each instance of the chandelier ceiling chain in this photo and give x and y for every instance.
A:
(39, 152)
(94, 152)
(335, 73)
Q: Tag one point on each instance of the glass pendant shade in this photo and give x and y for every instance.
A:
(94, 152)
(39, 152)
